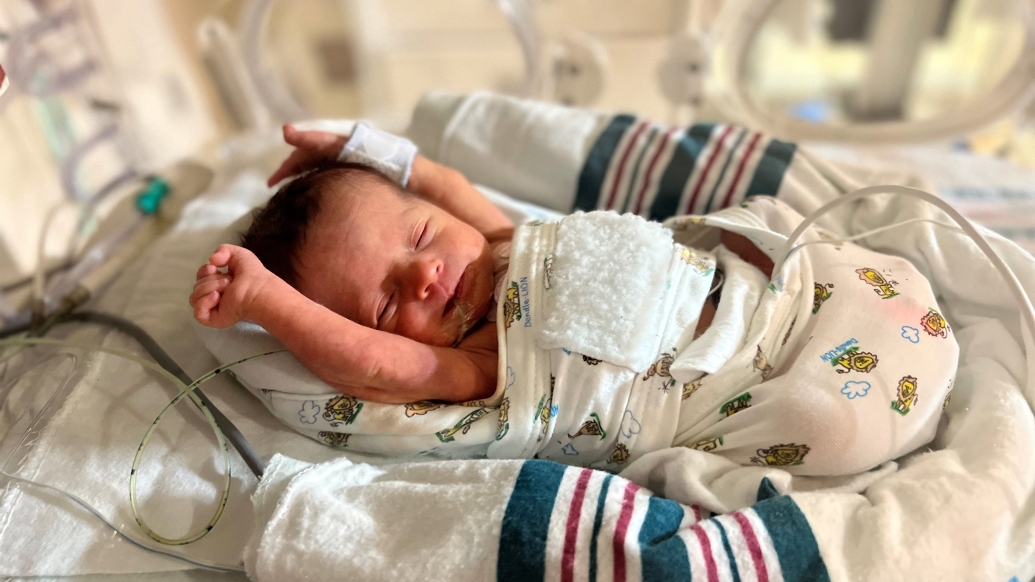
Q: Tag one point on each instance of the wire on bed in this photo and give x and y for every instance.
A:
(185, 391)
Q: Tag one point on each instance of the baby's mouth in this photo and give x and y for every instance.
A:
(463, 312)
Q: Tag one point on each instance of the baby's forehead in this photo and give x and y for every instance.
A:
(339, 202)
(357, 186)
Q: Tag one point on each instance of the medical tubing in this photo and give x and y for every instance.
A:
(39, 280)
(93, 511)
(138, 458)
(187, 391)
(70, 166)
(161, 357)
(89, 261)
(1023, 303)
(13, 331)
(35, 341)
(870, 233)
(18, 284)
(251, 458)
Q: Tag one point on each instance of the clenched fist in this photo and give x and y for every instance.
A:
(223, 299)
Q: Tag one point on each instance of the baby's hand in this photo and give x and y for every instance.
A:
(223, 299)
(311, 149)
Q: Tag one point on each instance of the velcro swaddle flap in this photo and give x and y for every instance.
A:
(607, 285)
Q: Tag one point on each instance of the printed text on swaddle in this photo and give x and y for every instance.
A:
(525, 306)
(836, 352)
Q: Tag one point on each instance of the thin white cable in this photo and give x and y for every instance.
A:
(875, 231)
(1023, 303)
(39, 279)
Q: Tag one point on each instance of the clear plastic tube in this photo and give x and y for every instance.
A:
(184, 391)
(90, 260)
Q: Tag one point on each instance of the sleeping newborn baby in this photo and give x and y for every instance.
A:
(592, 340)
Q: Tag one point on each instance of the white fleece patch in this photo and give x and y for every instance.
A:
(607, 288)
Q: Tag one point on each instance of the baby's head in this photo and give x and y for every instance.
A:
(352, 240)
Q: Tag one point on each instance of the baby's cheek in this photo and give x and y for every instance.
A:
(424, 328)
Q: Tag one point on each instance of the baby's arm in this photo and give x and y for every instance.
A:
(441, 185)
(450, 190)
(357, 360)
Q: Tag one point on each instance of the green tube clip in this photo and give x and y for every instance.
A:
(150, 199)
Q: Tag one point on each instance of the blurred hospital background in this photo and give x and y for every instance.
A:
(104, 92)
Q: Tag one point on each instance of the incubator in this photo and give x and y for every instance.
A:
(131, 197)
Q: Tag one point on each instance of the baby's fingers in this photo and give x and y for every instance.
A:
(223, 255)
(311, 140)
(204, 307)
(295, 163)
(208, 285)
(206, 270)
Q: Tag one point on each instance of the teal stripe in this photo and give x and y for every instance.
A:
(677, 172)
(771, 169)
(591, 178)
(636, 168)
(766, 490)
(663, 554)
(729, 551)
(526, 522)
(597, 521)
(793, 540)
(725, 166)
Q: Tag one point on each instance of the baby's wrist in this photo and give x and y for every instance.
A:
(267, 293)
(389, 154)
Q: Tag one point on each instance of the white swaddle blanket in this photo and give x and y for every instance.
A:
(591, 304)
(596, 297)
(598, 363)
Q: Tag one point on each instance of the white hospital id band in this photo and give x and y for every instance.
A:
(387, 153)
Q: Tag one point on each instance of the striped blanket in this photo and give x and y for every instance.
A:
(552, 522)
(656, 172)
(570, 159)
(579, 524)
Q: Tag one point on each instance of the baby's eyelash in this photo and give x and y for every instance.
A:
(423, 231)
(382, 310)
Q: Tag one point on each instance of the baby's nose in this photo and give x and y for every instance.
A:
(426, 274)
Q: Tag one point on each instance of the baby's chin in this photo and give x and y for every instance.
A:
(484, 289)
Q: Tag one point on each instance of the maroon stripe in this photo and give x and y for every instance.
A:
(707, 169)
(740, 169)
(621, 165)
(571, 534)
(753, 546)
(622, 528)
(650, 169)
(706, 550)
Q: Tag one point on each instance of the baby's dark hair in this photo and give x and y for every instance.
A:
(278, 230)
